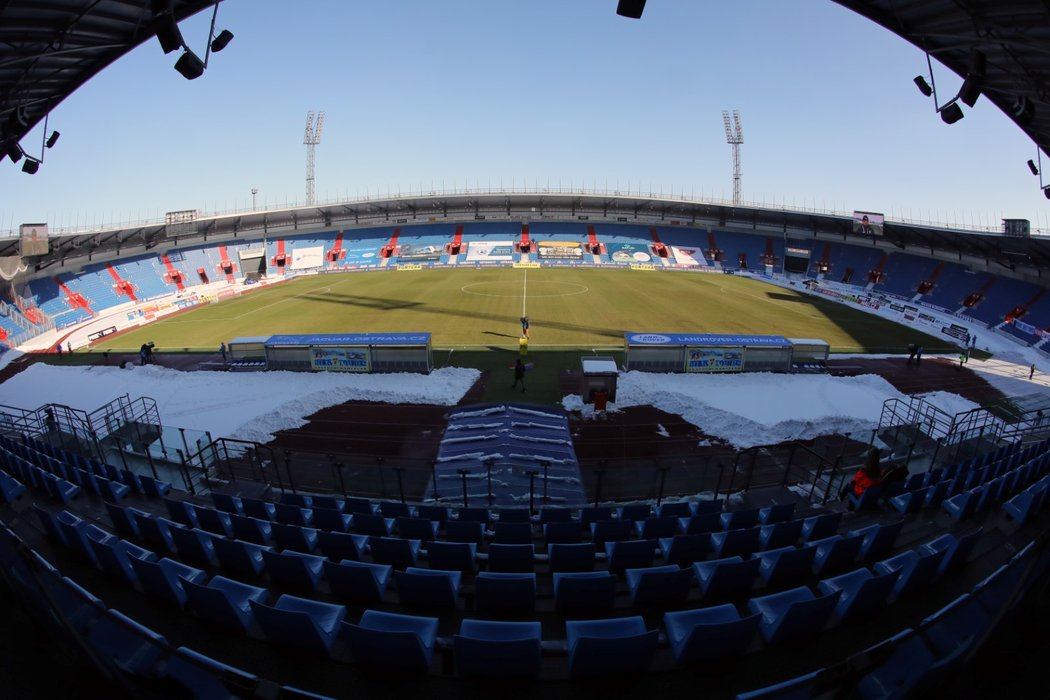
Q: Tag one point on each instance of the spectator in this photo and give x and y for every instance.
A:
(1031, 370)
(222, 349)
(869, 474)
(918, 356)
(519, 375)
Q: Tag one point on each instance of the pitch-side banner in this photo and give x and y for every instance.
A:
(714, 360)
(493, 251)
(629, 253)
(340, 359)
(559, 250)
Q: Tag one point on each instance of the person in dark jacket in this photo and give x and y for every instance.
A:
(519, 375)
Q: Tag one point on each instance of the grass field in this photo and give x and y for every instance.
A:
(475, 309)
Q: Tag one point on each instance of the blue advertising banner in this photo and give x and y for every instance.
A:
(629, 253)
(340, 359)
(705, 339)
(714, 360)
(352, 339)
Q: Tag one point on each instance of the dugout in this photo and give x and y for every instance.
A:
(350, 352)
(706, 352)
(599, 374)
(808, 351)
(250, 348)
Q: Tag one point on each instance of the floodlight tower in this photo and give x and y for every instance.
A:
(734, 137)
(311, 138)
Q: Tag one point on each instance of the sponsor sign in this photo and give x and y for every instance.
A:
(528, 265)
(956, 332)
(430, 253)
(687, 257)
(340, 359)
(706, 339)
(796, 252)
(410, 267)
(559, 250)
(628, 253)
(351, 339)
(490, 251)
(644, 268)
(714, 360)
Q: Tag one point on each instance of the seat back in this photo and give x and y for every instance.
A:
(584, 590)
(497, 649)
(290, 627)
(505, 592)
(427, 587)
(570, 557)
(358, 580)
(512, 558)
(452, 556)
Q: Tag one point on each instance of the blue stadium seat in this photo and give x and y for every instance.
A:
(742, 542)
(658, 585)
(515, 515)
(512, 533)
(653, 528)
(780, 534)
(358, 580)
(124, 646)
(194, 544)
(200, 676)
(785, 565)
(156, 533)
(505, 592)
(610, 531)
(738, 519)
(295, 515)
(332, 519)
(511, 558)
(341, 545)
(299, 622)
(395, 551)
(682, 509)
(296, 538)
(395, 509)
(164, 579)
(549, 514)
(250, 529)
(710, 633)
(437, 513)
(465, 531)
(634, 512)
(917, 570)
(497, 649)
(239, 558)
(777, 513)
(818, 527)
(701, 523)
(392, 640)
(256, 508)
(374, 525)
(584, 590)
(878, 539)
(567, 532)
(836, 553)
(570, 557)
(630, 554)
(793, 613)
(214, 521)
(430, 588)
(956, 550)
(606, 647)
(227, 503)
(862, 594)
(731, 576)
(453, 556)
(293, 569)
(423, 529)
(685, 549)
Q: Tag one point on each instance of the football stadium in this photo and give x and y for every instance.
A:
(523, 440)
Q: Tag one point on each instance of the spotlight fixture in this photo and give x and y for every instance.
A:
(167, 29)
(31, 166)
(630, 8)
(52, 139)
(924, 87)
(1031, 166)
(974, 81)
(951, 112)
(219, 43)
(189, 65)
(1046, 191)
(1023, 110)
(13, 151)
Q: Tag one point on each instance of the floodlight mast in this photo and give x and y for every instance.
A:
(312, 137)
(734, 137)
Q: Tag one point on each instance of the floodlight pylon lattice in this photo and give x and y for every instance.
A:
(734, 137)
(312, 137)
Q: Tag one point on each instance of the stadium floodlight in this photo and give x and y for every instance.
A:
(951, 112)
(189, 65)
(924, 87)
(1032, 167)
(52, 139)
(1022, 110)
(974, 81)
(221, 41)
(13, 151)
(31, 166)
(166, 29)
(630, 8)
(1046, 191)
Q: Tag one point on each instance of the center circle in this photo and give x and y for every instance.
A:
(497, 289)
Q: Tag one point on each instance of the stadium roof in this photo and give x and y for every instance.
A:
(1013, 36)
(49, 48)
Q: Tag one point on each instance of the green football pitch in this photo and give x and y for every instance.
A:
(478, 309)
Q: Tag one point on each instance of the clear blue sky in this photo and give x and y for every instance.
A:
(475, 92)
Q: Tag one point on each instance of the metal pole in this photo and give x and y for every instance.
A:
(382, 480)
(434, 477)
(532, 490)
(185, 471)
(663, 480)
(718, 486)
(152, 466)
(120, 451)
(791, 462)
(400, 483)
(546, 476)
(463, 475)
(182, 433)
(488, 477)
(600, 474)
